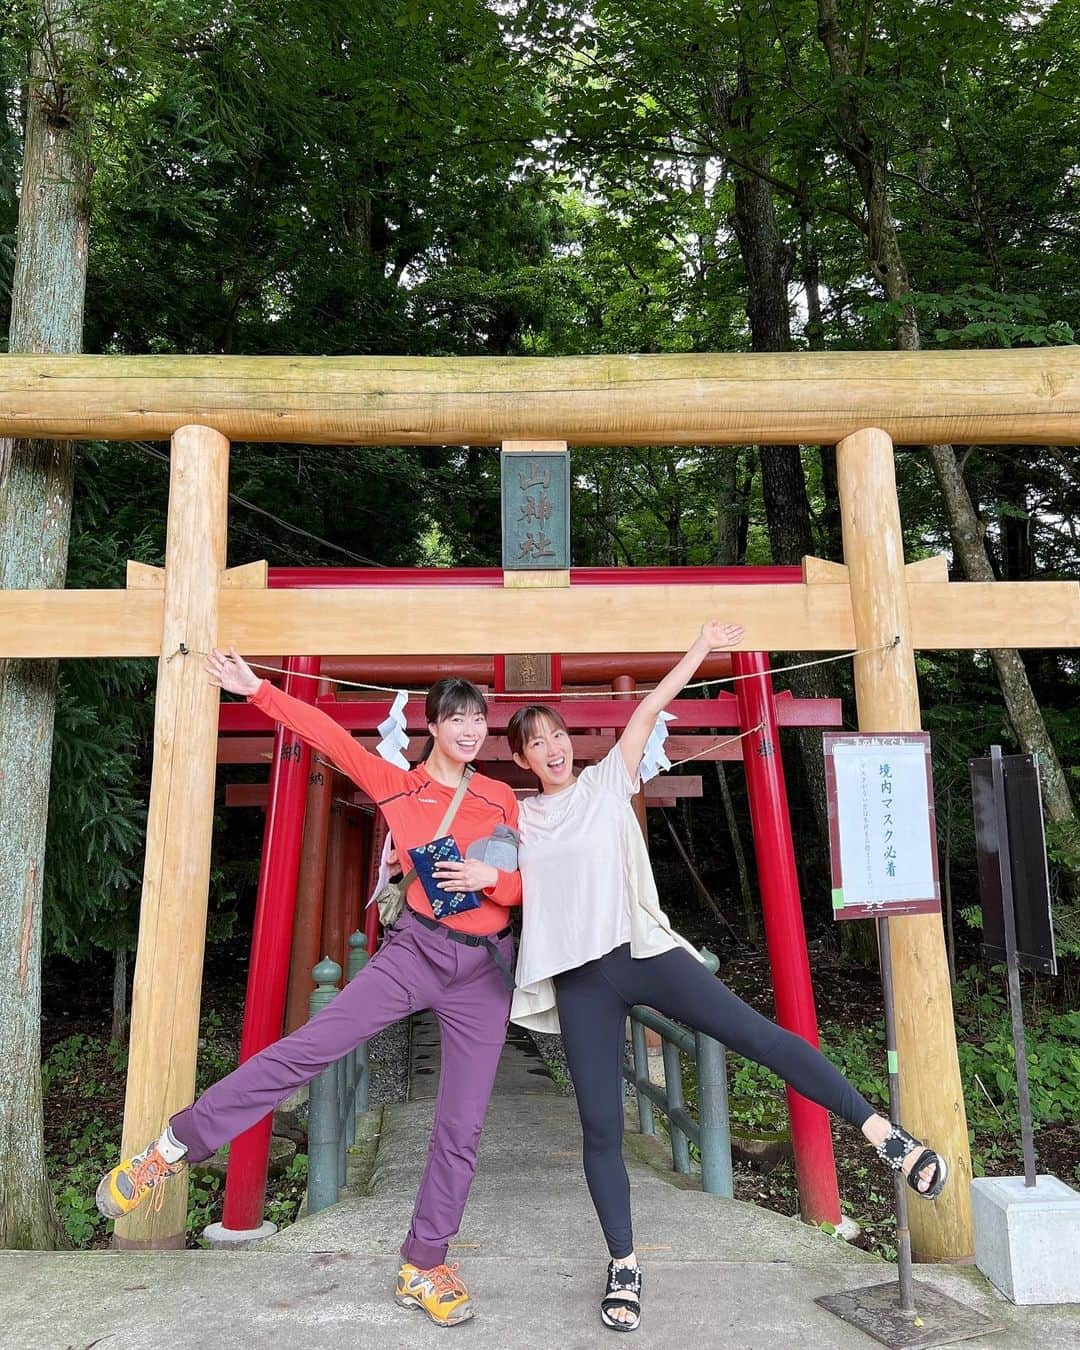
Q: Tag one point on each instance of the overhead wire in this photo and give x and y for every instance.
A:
(298, 530)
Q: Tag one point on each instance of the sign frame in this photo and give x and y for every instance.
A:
(535, 494)
(1025, 831)
(866, 908)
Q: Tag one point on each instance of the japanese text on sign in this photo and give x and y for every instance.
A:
(536, 510)
(881, 822)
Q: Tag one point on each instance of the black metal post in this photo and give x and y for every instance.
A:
(903, 1234)
(1012, 965)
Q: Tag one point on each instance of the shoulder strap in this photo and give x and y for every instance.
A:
(444, 824)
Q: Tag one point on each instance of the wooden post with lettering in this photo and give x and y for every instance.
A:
(887, 696)
(535, 542)
(176, 875)
(535, 514)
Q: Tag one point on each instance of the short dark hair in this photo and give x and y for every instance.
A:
(452, 695)
(525, 722)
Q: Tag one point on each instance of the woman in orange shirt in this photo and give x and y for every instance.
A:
(458, 966)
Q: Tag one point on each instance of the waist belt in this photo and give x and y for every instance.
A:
(473, 940)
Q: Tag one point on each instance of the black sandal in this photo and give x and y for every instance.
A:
(895, 1147)
(623, 1291)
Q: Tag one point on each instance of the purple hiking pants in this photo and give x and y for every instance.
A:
(416, 968)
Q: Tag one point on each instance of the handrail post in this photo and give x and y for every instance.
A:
(714, 1123)
(673, 1086)
(641, 1071)
(323, 1182)
(341, 1113)
(358, 959)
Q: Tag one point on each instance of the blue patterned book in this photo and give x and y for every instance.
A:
(443, 903)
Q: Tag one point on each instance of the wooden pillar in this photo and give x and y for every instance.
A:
(307, 923)
(354, 853)
(372, 927)
(887, 695)
(176, 874)
(333, 919)
(358, 901)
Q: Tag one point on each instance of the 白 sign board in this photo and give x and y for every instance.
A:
(882, 837)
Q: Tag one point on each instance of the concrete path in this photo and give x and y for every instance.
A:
(718, 1273)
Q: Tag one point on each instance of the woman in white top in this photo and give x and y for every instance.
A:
(595, 941)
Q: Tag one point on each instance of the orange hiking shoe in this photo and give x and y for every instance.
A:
(439, 1291)
(120, 1190)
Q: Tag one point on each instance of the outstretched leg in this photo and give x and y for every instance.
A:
(389, 987)
(396, 980)
(678, 985)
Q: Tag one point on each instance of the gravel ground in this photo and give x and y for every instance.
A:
(554, 1056)
(388, 1054)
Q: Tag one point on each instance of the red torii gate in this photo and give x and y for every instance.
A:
(753, 711)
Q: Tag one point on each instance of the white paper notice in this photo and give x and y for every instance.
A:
(884, 818)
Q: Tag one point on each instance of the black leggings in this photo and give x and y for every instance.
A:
(593, 1002)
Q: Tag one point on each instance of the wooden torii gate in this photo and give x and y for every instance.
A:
(865, 402)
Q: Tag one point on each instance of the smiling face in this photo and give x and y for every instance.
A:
(460, 735)
(457, 720)
(542, 744)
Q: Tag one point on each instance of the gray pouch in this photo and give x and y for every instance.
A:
(498, 849)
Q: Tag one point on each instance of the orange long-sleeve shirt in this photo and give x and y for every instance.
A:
(413, 804)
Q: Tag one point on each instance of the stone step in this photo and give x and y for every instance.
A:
(273, 1300)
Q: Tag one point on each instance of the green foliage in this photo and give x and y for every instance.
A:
(290, 1190)
(203, 1203)
(977, 315)
(217, 1052)
(988, 1067)
(756, 1096)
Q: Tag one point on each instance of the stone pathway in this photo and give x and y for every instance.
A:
(719, 1273)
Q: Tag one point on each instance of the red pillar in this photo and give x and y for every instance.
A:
(815, 1166)
(372, 926)
(307, 923)
(268, 973)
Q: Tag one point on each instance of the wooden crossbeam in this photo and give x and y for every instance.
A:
(966, 397)
(944, 615)
(666, 788)
(587, 749)
(142, 576)
(580, 714)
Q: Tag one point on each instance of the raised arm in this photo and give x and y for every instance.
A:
(378, 778)
(713, 635)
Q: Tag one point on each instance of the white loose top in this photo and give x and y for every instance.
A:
(587, 886)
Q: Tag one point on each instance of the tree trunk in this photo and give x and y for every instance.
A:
(730, 505)
(746, 891)
(36, 479)
(1020, 701)
(768, 260)
(119, 997)
(887, 263)
(829, 533)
